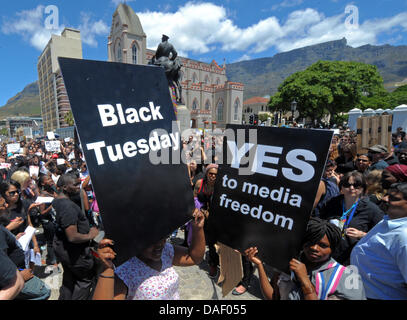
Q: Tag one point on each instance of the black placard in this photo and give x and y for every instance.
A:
(119, 105)
(270, 207)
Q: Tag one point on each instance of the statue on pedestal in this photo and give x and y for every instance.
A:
(167, 57)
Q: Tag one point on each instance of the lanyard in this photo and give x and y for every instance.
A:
(344, 218)
(325, 291)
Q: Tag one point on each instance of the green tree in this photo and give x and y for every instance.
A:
(330, 87)
(69, 118)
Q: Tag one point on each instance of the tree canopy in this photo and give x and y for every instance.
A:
(328, 87)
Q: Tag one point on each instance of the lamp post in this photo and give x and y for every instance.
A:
(293, 107)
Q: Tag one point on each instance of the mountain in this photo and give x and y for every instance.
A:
(263, 76)
(24, 103)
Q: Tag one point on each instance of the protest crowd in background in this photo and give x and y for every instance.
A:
(357, 230)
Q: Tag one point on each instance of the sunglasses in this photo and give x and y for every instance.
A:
(356, 185)
(212, 174)
(13, 193)
(362, 160)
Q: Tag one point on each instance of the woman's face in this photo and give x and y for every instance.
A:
(193, 165)
(352, 189)
(12, 194)
(154, 251)
(362, 163)
(212, 173)
(318, 252)
(387, 179)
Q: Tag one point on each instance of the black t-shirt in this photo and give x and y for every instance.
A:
(68, 214)
(7, 270)
(9, 246)
(12, 214)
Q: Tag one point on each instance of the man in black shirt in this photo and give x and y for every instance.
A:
(11, 282)
(72, 242)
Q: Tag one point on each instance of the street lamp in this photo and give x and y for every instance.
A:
(293, 107)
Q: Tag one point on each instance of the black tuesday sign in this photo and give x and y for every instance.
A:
(124, 114)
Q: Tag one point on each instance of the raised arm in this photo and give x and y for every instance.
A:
(109, 286)
(266, 288)
(193, 255)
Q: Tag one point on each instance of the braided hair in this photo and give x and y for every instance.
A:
(318, 228)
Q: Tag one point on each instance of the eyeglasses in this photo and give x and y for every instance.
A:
(212, 174)
(356, 185)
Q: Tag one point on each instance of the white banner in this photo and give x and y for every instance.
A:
(53, 146)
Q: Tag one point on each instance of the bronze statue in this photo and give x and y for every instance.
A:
(167, 57)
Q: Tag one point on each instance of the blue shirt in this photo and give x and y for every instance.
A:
(381, 258)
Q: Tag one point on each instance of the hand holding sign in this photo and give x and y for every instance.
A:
(251, 255)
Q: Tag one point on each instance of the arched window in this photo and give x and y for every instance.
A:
(217, 81)
(195, 105)
(119, 52)
(207, 105)
(219, 109)
(236, 110)
(134, 53)
(207, 81)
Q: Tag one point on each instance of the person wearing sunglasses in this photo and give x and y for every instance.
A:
(203, 192)
(353, 212)
(381, 256)
(363, 162)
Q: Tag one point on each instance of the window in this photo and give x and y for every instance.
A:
(220, 110)
(207, 105)
(236, 110)
(217, 81)
(194, 78)
(119, 52)
(207, 80)
(134, 54)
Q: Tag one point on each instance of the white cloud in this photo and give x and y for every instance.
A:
(243, 58)
(287, 4)
(198, 27)
(90, 29)
(30, 25)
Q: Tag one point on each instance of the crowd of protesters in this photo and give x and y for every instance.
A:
(358, 228)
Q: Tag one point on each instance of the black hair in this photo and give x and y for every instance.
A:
(317, 228)
(399, 187)
(357, 176)
(65, 179)
(5, 185)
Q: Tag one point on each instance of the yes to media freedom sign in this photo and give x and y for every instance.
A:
(123, 114)
(270, 207)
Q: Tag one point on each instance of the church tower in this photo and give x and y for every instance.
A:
(127, 40)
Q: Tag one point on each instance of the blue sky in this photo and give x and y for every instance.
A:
(233, 30)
